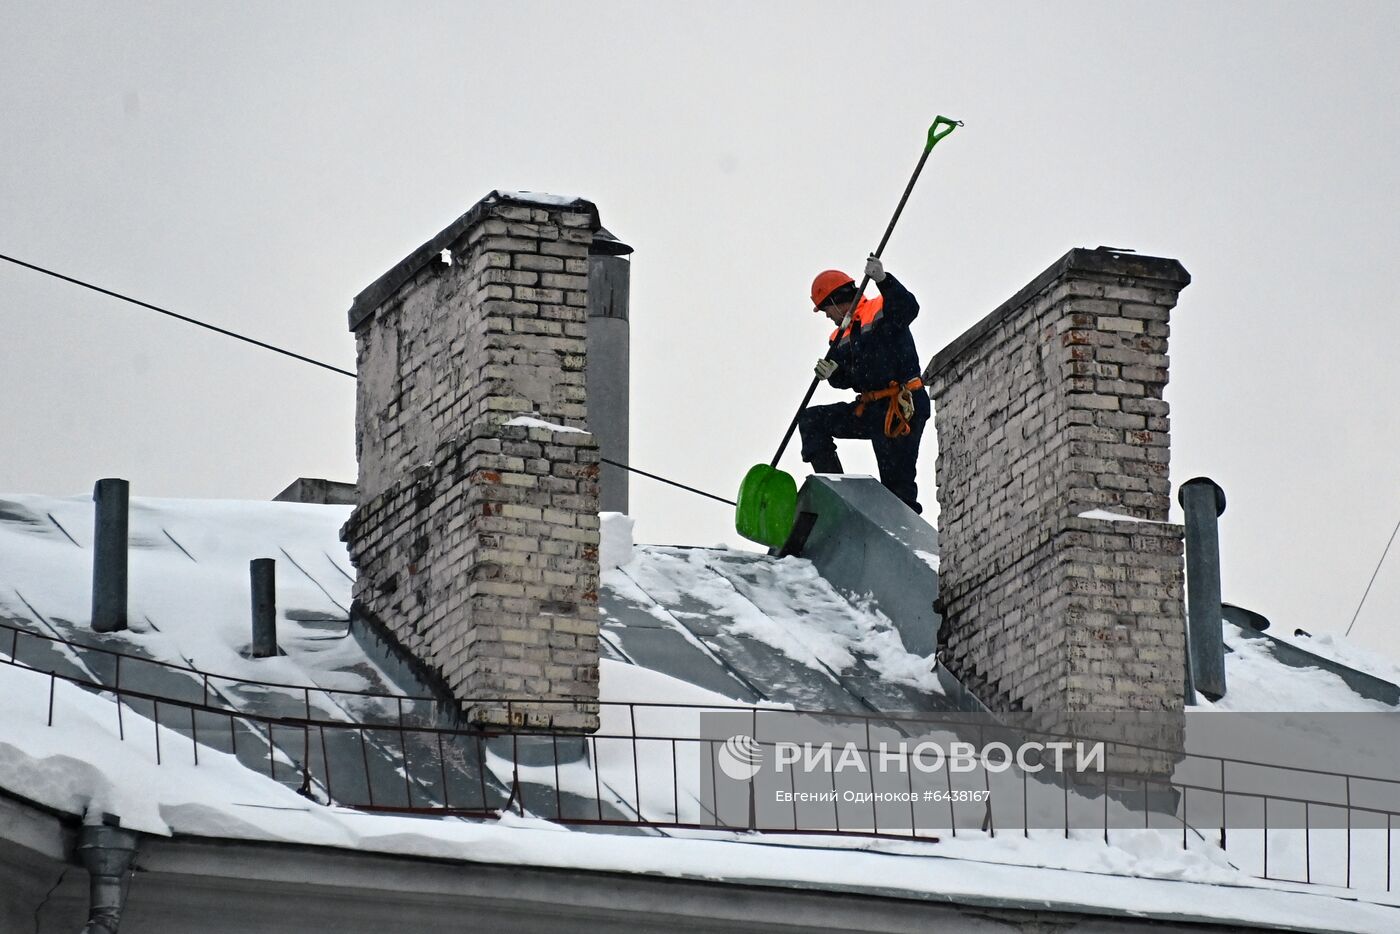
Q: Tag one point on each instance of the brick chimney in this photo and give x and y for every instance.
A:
(1050, 407)
(476, 540)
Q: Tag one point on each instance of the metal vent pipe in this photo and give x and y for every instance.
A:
(262, 573)
(1204, 502)
(608, 380)
(109, 543)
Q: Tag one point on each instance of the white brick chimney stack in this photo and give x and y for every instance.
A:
(475, 532)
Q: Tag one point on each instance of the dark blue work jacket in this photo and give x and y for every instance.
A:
(878, 347)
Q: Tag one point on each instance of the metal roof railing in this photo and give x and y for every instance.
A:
(625, 776)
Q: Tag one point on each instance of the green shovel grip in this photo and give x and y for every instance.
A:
(942, 126)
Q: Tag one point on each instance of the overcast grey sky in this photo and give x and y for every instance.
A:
(258, 164)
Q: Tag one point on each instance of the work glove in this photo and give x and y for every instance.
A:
(875, 269)
(824, 369)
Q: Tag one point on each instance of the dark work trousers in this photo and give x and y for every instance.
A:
(897, 458)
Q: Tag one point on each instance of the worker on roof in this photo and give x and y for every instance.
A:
(875, 356)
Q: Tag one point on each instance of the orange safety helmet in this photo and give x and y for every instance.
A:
(827, 282)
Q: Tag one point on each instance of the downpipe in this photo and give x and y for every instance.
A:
(107, 852)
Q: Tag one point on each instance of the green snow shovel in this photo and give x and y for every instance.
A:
(767, 502)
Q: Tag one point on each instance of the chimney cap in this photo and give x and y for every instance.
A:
(605, 244)
(1203, 482)
(386, 285)
(1102, 261)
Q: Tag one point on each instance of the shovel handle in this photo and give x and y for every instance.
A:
(811, 390)
(942, 126)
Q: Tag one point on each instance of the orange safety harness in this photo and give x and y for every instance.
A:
(901, 406)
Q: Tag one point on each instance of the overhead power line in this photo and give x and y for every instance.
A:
(1372, 580)
(295, 356)
(653, 476)
(165, 311)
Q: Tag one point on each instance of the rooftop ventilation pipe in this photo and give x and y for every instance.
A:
(262, 574)
(609, 359)
(1204, 502)
(107, 852)
(109, 543)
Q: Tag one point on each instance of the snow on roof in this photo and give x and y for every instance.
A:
(1339, 650)
(1256, 682)
(765, 624)
(541, 197)
(188, 582)
(782, 603)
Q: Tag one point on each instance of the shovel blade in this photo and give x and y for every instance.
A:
(766, 506)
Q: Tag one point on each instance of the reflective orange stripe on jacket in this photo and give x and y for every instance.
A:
(867, 313)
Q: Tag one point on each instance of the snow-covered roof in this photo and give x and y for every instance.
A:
(680, 626)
